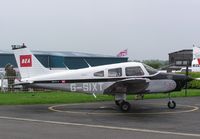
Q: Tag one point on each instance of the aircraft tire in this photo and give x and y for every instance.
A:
(171, 104)
(125, 106)
(117, 102)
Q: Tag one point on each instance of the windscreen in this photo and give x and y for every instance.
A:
(150, 70)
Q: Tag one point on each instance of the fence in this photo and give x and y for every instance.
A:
(7, 83)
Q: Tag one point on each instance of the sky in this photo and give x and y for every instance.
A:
(149, 29)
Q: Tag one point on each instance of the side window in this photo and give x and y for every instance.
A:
(117, 72)
(134, 71)
(99, 74)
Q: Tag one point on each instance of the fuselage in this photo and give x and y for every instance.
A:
(97, 79)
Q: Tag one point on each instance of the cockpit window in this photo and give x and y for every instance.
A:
(134, 71)
(99, 74)
(150, 70)
(117, 72)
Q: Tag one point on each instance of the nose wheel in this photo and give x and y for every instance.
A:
(171, 104)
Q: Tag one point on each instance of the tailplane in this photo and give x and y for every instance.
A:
(28, 64)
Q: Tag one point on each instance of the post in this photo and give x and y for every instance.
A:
(186, 83)
(1, 83)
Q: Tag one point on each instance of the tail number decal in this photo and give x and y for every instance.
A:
(25, 61)
(86, 87)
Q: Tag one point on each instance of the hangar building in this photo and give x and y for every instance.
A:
(60, 59)
(180, 59)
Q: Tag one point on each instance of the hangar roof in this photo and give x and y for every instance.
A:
(4, 52)
(184, 51)
(70, 54)
(62, 53)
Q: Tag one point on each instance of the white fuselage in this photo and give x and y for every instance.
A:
(85, 80)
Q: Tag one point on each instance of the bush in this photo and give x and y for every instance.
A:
(195, 84)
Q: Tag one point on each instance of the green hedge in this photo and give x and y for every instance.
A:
(195, 84)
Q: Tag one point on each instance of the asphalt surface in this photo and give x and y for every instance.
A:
(103, 120)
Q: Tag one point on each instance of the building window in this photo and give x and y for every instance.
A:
(134, 71)
(178, 63)
(117, 72)
(185, 63)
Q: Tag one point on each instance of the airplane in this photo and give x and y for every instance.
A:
(118, 80)
(196, 59)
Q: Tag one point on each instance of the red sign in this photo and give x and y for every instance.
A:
(25, 61)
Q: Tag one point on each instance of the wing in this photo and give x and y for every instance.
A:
(131, 85)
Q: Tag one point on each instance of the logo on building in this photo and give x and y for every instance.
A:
(25, 61)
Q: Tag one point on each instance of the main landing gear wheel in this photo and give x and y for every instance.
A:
(125, 106)
(117, 102)
(171, 104)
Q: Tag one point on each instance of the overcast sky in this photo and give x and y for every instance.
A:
(149, 29)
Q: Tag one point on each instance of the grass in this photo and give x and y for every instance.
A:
(10, 98)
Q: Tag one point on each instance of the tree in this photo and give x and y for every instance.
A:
(157, 64)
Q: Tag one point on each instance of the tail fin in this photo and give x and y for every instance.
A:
(28, 64)
(196, 57)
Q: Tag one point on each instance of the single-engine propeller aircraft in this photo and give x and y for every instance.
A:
(119, 80)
